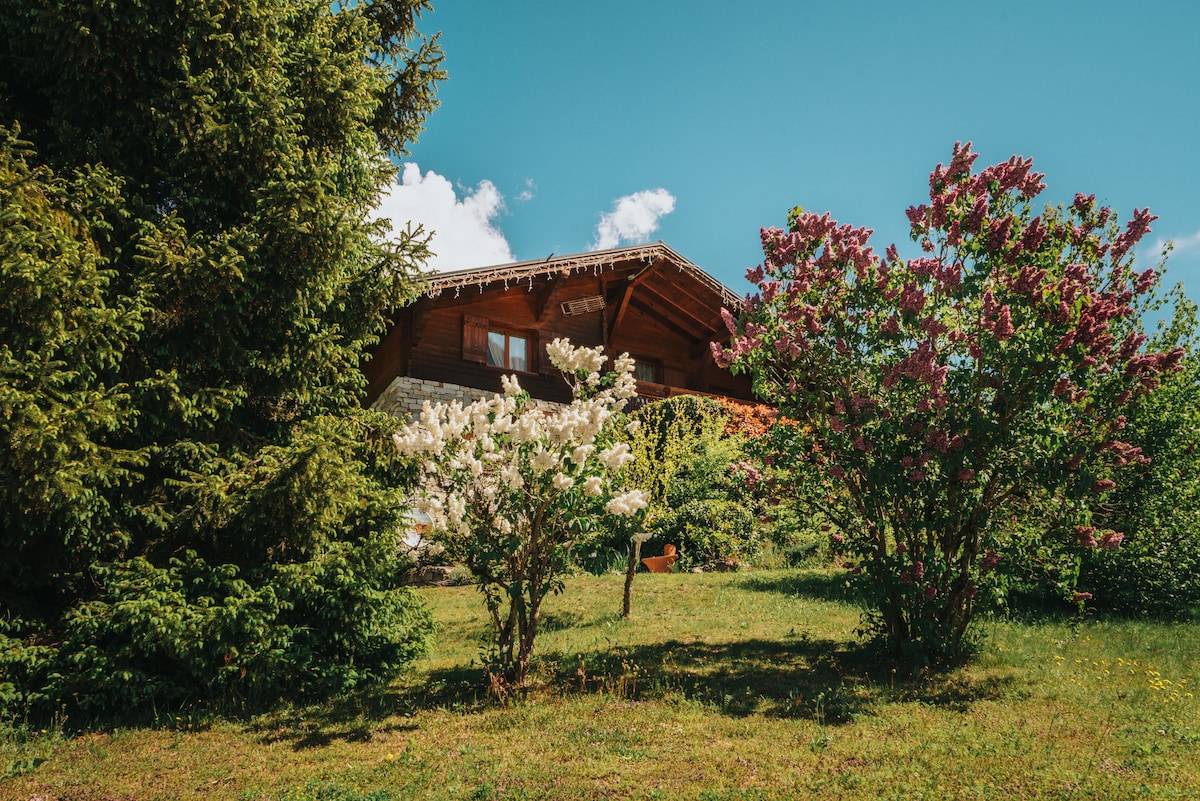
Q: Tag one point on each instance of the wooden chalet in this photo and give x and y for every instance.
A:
(470, 327)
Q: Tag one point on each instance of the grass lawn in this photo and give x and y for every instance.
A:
(723, 686)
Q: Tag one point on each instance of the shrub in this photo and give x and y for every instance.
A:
(1156, 571)
(323, 616)
(935, 390)
(513, 490)
(707, 513)
(1155, 506)
(686, 461)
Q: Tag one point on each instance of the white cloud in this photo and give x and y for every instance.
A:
(1189, 244)
(1182, 246)
(526, 194)
(633, 218)
(465, 232)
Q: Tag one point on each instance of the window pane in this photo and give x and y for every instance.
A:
(517, 359)
(645, 371)
(495, 354)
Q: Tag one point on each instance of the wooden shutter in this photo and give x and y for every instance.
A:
(475, 338)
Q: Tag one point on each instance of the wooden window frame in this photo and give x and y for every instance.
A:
(476, 331)
(656, 364)
(509, 334)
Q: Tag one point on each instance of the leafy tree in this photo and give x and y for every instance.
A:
(934, 391)
(193, 504)
(65, 333)
(1156, 571)
(665, 435)
(512, 489)
(1154, 506)
(690, 454)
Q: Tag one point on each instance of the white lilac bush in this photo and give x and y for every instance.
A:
(511, 489)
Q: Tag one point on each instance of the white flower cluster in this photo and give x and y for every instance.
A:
(510, 385)
(626, 504)
(617, 456)
(626, 386)
(588, 362)
(495, 464)
(580, 422)
(575, 360)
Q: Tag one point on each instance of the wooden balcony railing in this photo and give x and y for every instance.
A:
(648, 392)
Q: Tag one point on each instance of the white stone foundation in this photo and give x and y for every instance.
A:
(405, 396)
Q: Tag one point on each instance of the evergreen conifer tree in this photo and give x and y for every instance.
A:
(193, 504)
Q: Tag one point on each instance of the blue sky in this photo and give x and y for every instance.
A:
(707, 120)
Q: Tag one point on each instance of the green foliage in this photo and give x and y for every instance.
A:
(1156, 571)
(189, 278)
(666, 437)
(1154, 506)
(64, 331)
(686, 464)
(706, 513)
(789, 497)
(938, 394)
(245, 630)
(513, 490)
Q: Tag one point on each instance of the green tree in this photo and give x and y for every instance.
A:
(1156, 571)
(62, 401)
(512, 490)
(936, 391)
(690, 461)
(193, 503)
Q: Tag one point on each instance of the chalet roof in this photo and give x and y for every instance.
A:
(628, 259)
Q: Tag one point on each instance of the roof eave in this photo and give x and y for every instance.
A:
(516, 272)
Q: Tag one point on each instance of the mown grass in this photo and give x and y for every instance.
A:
(723, 686)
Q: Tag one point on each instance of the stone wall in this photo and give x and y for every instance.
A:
(405, 396)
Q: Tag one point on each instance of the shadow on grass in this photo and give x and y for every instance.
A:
(561, 621)
(822, 585)
(826, 680)
(363, 714)
(830, 681)
(321, 725)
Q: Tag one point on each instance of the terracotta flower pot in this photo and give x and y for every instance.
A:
(662, 564)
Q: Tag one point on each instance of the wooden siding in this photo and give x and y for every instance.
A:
(655, 311)
(438, 353)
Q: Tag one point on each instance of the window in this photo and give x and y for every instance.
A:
(484, 342)
(510, 351)
(646, 370)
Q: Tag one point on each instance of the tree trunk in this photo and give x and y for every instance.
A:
(635, 556)
(519, 672)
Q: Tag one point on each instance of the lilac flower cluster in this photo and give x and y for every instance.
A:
(922, 381)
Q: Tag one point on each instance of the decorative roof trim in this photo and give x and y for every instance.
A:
(595, 261)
